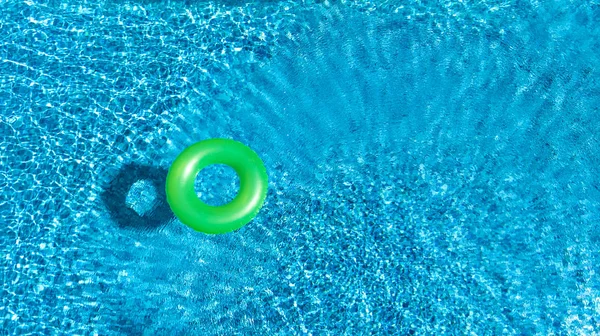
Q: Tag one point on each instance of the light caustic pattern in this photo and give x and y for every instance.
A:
(432, 168)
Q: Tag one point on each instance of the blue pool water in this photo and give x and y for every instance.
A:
(433, 166)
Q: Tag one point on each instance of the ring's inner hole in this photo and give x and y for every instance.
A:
(217, 184)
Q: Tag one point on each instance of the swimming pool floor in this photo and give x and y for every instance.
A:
(433, 167)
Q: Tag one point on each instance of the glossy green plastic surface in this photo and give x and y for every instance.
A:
(200, 216)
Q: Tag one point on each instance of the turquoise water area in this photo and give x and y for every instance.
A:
(433, 167)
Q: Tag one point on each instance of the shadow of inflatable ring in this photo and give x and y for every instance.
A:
(115, 194)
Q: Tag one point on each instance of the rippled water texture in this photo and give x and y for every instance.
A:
(433, 167)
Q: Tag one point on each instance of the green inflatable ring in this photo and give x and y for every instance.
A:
(200, 216)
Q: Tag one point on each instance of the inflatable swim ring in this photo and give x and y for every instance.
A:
(200, 216)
